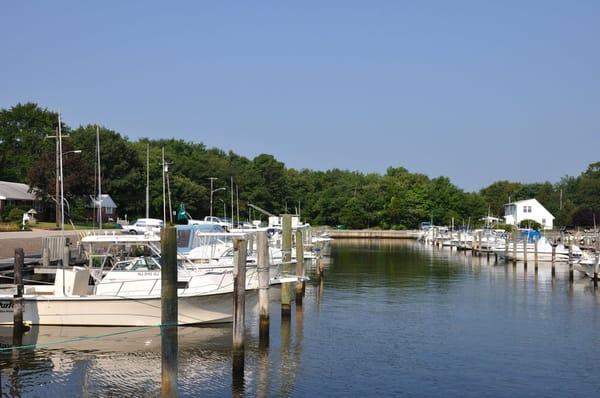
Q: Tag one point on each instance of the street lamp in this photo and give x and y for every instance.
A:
(224, 209)
(62, 188)
(211, 196)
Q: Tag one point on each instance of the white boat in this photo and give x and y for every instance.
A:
(71, 300)
(129, 294)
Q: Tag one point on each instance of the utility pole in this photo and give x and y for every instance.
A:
(57, 174)
(561, 194)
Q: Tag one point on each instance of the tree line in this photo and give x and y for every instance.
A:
(397, 199)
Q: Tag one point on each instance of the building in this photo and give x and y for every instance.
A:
(109, 208)
(14, 194)
(529, 209)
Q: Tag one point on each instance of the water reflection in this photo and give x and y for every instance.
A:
(387, 318)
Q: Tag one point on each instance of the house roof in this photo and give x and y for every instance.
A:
(15, 191)
(530, 201)
(107, 202)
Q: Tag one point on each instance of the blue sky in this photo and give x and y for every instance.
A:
(477, 91)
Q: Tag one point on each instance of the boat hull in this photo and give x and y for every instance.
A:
(128, 311)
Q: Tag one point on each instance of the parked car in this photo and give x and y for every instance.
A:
(222, 221)
(143, 225)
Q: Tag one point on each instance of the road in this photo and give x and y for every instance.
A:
(30, 241)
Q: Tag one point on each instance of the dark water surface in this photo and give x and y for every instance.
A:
(388, 319)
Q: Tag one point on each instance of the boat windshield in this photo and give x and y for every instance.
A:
(138, 264)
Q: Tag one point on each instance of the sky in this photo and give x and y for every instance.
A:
(477, 91)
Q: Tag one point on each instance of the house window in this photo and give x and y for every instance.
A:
(543, 221)
(108, 210)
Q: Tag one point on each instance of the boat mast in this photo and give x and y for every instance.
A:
(147, 180)
(163, 186)
(62, 189)
(99, 179)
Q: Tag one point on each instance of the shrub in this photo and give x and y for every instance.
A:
(530, 224)
(15, 214)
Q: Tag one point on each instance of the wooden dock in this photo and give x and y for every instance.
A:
(372, 234)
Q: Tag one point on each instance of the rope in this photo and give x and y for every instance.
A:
(83, 338)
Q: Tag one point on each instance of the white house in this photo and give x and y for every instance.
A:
(16, 194)
(529, 209)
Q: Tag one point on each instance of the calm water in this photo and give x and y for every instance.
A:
(388, 319)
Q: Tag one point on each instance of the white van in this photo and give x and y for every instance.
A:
(143, 225)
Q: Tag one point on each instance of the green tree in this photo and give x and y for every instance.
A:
(23, 129)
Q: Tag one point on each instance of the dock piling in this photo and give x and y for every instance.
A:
(262, 260)
(299, 267)
(169, 312)
(535, 254)
(18, 326)
(571, 276)
(525, 242)
(596, 266)
(239, 305)
(66, 256)
(45, 257)
(514, 238)
(286, 243)
(553, 259)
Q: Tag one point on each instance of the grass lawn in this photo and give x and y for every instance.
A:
(9, 226)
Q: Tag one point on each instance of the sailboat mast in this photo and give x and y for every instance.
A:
(62, 189)
(163, 186)
(231, 190)
(237, 201)
(147, 180)
(99, 179)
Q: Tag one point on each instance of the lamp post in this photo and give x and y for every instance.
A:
(62, 187)
(212, 191)
(59, 189)
(224, 208)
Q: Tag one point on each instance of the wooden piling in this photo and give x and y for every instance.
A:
(286, 243)
(18, 327)
(506, 243)
(514, 237)
(239, 305)
(525, 242)
(535, 254)
(596, 266)
(553, 259)
(262, 261)
(571, 276)
(299, 266)
(45, 257)
(169, 312)
(66, 256)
